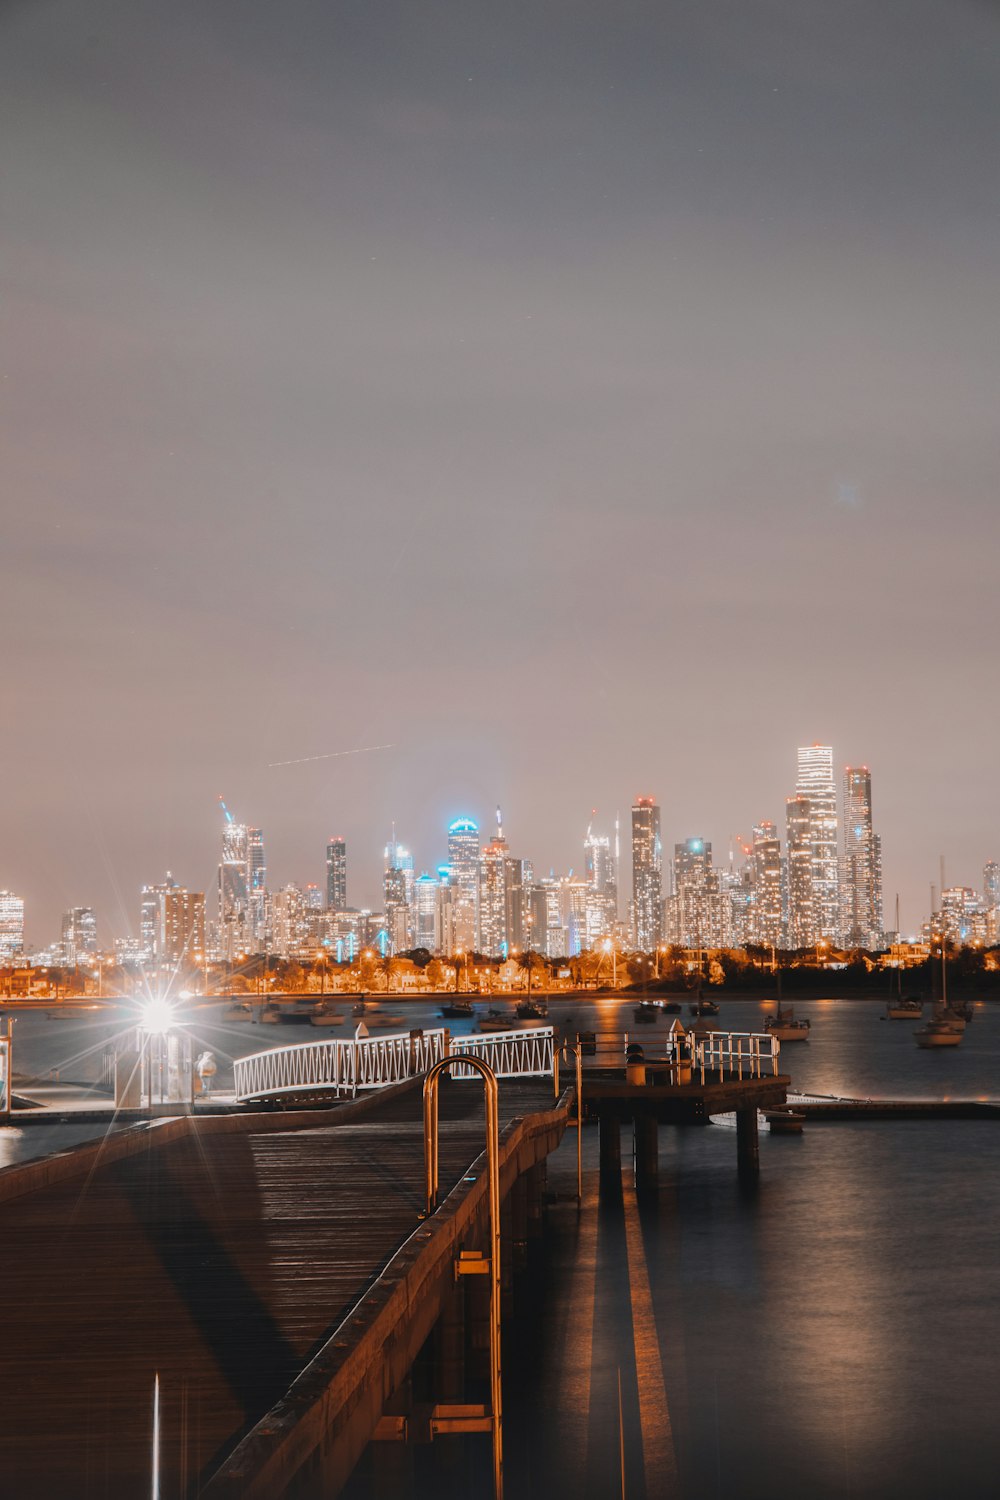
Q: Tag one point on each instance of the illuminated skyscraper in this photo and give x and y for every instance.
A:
(493, 935)
(647, 879)
(801, 927)
(463, 861)
(11, 926)
(397, 887)
(235, 931)
(182, 926)
(991, 884)
(336, 875)
(79, 934)
(815, 786)
(696, 888)
(862, 884)
(766, 863)
(602, 900)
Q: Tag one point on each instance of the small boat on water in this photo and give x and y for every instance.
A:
(785, 1027)
(939, 1032)
(323, 1017)
(238, 1010)
(496, 1020)
(531, 1010)
(297, 1015)
(456, 1009)
(703, 1008)
(904, 1008)
(646, 1011)
(671, 1007)
(359, 1007)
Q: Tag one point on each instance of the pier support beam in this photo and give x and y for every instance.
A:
(611, 1147)
(534, 1199)
(646, 1150)
(747, 1145)
(519, 1222)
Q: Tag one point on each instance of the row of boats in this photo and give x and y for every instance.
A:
(945, 1028)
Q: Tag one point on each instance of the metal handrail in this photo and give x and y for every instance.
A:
(492, 1091)
(344, 1067)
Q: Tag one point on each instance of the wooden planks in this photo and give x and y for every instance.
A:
(220, 1261)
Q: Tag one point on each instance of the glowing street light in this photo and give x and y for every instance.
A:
(157, 1016)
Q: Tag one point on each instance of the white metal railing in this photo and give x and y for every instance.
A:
(343, 1067)
(743, 1054)
(338, 1067)
(511, 1054)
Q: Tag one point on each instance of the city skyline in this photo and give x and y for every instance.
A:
(820, 879)
(639, 376)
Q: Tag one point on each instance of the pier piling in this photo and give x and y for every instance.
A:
(747, 1142)
(646, 1152)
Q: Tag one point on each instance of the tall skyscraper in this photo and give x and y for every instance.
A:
(647, 877)
(766, 863)
(397, 888)
(801, 926)
(11, 926)
(493, 935)
(336, 875)
(257, 888)
(183, 926)
(991, 884)
(696, 892)
(602, 901)
(79, 934)
(426, 913)
(463, 861)
(862, 921)
(816, 785)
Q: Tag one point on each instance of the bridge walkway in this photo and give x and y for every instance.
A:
(221, 1260)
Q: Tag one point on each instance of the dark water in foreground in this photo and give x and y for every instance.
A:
(835, 1333)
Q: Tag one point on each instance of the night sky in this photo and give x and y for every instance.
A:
(582, 399)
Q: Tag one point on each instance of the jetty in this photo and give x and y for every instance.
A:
(275, 1272)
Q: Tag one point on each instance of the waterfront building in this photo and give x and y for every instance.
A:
(171, 924)
(426, 913)
(235, 930)
(493, 936)
(79, 934)
(397, 894)
(861, 884)
(447, 914)
(765, 859)
(647, 887)
(182, 926)
(11, 926)
(962, 917)
(290, 933)
(463, 861)
(697, 916)
(800, 927)
(600, 868)
(518, 876)
(336, 875)
(555, 942)
(816, 784)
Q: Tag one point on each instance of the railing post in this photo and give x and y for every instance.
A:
(431, 1084)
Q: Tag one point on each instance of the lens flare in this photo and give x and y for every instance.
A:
(157, 1016)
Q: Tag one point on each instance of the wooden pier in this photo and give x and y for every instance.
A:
(271, 1269)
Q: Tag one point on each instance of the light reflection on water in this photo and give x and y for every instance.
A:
(833, 1334)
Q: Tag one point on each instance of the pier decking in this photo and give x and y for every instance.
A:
(222, 1254)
